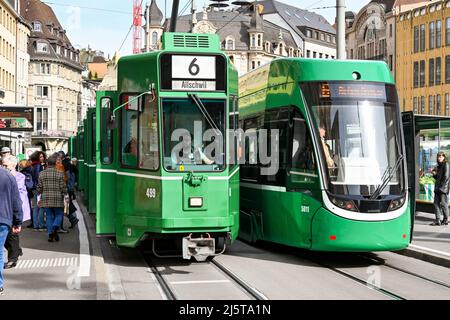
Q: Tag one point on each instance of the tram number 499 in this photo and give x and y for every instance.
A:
(151, 193)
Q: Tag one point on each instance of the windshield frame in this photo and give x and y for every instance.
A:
(326, 181)
(225, 101)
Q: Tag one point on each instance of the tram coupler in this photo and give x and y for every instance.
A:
(199, 248)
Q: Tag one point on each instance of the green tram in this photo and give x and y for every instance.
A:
(144, 189)
(341, 183)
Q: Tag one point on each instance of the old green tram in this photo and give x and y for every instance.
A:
(152, 178)
(337, 178)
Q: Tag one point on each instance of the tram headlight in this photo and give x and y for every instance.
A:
(344, 204)
(397, 203)
(196, 202)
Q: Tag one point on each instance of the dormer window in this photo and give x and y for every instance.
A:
(37, 26)
(291, 52)
(229, 43)
(154, 38)
(42, 47)
(308, 33)
(268, 46)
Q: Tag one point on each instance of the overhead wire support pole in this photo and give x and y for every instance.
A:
(173, 18)
(340, 29)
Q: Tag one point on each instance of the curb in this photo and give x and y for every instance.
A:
(425, 256)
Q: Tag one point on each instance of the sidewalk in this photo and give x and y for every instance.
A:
(430, 243)
(66, 270)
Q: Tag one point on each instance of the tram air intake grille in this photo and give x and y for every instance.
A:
(182, 41)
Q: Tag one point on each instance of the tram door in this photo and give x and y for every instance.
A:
(106, 162)
(412, 155)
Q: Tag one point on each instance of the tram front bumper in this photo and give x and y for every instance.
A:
(333, 233)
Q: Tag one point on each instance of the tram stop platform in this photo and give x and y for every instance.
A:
(430, 243)
(71, 269)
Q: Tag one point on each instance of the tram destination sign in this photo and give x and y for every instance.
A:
(192, 72)
(16, 118)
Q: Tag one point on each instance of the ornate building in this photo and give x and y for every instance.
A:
(54, 77)
(370, 34)
(255, 34)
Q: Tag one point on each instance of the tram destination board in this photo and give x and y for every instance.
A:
(16, 118)
(193, 72)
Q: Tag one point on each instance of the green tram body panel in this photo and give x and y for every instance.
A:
(89, 160)
(294, 213)
(135, 204)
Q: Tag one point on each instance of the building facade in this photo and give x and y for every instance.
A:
(423, 58)
(253, 35)
(54, 78)
(370, 34)
(14, 60)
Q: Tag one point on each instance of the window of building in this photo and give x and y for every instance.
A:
(391, 62)
(253, 65)
(447, 104)
(422, 74)
(314, 54)
(422, 104)
(431, 74)
(415, 105)
(430, 104)
(259, 40)
(416, 39)
(447, 32)
(308, 53)
(438, 104)
(58, 49)
(41, 118)
(154, 38)
(327, 56)
(308, 33)
(416, 75)
(351, 53)
(322, 36)
(422, 37)
(41, 47)
(37, 26)
(253, 41)
(42, 91)
(432, 35)
(44, 68)
(447, 69)
(268, 46)
(229, 45)
(438, 71)
(320, 55)
(390, 30)
(328, 38)
(333, 39)
(438, 33)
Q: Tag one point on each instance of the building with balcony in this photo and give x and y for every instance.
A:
(55, 79)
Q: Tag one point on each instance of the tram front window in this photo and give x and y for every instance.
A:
(194, 131)
(358, 125)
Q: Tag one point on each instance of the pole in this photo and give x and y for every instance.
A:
(340, 24)
(173, 18)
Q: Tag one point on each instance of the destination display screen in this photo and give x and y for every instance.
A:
(16, 118)
(193, 72)
(352, 90)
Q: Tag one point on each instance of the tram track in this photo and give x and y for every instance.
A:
(169, 293)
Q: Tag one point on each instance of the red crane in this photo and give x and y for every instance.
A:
(137, 26)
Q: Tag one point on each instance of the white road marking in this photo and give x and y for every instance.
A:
(85, 257)
(200, 282)
(442, 253)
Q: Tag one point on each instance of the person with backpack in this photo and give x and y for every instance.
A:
(12, 243)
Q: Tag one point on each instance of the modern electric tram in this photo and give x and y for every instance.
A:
(340, 182)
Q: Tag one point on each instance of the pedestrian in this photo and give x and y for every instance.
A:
(12, 243)
(38, 164)
(10, 212)
(52, 189)
(442, 176)
(63, 166)
(74, 167)
(5, 151)
(25, 169)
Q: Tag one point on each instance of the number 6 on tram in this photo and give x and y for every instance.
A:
(341, 183)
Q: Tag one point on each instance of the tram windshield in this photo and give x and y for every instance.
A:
(358, 127)
(194, 131)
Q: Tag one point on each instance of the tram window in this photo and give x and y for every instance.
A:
(234, 116)
(130, 135)
(93, 138)
(302, 148)
(106, 133)
(148, 135)
(81, 145)
(250, 169)
(277, 120)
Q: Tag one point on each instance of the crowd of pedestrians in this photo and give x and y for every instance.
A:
(40, 189)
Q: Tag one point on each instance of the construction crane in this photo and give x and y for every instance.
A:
(137, 26)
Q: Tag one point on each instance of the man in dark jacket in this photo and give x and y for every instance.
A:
(442, 175)
(10, 212)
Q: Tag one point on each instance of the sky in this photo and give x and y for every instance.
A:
(104, 24)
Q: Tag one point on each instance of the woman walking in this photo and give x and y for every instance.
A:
(442, 175)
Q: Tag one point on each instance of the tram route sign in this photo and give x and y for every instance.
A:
(193, 72)
(16, 118)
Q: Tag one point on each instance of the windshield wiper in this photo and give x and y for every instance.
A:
(205, 112)
(387, 177)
